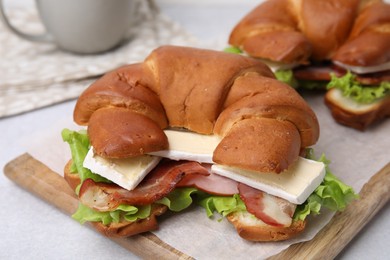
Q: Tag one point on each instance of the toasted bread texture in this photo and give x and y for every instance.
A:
(350, 34)
(354, 32)
(204, 91)
(253, 229)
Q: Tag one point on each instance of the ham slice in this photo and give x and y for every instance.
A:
(322, 73)
(316, 72)
(271, 210)
(169, 174)
(211, 183)
(156, 185)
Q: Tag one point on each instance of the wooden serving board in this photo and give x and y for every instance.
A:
(38, 179)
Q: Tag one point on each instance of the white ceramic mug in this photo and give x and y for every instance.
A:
(81, 26)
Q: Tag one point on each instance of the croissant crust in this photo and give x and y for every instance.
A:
(204, 91)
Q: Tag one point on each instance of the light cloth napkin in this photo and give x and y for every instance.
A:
(33, 75)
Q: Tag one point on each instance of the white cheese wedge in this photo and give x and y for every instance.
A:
(185, 145)
(127, 173)
(275, 66)
(362, 70)
(295, 184)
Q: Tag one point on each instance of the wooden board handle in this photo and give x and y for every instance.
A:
(39, 180)
(344, 225)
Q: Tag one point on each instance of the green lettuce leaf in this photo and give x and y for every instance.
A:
(351, 88)
(224, 205)
(232, 49)
(332, 193)
(287, 76)
(79, 146)
(179, 199)
(127, 212)
(176, 201)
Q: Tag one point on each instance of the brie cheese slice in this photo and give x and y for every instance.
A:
(294, 185)
(275, 66)
(363, 70)
(127, 173)
(185, 145)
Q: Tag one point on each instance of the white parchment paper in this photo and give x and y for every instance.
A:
(355, 156)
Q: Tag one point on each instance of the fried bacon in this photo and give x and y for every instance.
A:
(156, 185)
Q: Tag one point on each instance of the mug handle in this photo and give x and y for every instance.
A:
(45, 37)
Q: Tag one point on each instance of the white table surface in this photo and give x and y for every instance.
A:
(32, 229)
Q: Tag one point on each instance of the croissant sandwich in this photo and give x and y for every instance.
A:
(193, 126)
(341, 45)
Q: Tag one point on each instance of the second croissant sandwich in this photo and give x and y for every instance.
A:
(313, 43)
(197, 126)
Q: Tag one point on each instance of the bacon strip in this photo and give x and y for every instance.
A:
(316, 73)
(322, 73)
(156, 185)
(271, 210)
(211, 183)
(374, 78)
(170, 174)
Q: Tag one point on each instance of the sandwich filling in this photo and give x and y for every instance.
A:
(178, 184)
(360, 85)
